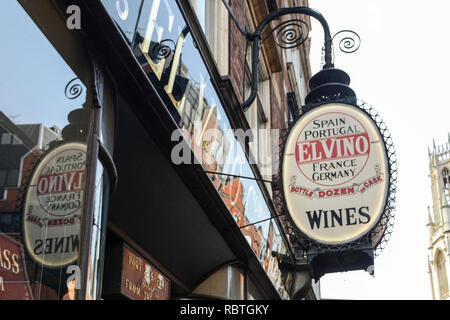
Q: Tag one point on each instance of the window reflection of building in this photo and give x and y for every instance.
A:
(199, 118)
(263, 245)
(232, 193)
(18, 155)
(42, 121)
(255, 234)
(28, 141)
(155, 35)
(275, 245)
(163, 62)
(200, 125)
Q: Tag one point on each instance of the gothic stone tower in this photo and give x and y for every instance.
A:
(439, 221)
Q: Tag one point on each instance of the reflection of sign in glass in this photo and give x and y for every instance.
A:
(13, 276)
(140, 280)
(335, 174)
(156, 31)
(54, 204)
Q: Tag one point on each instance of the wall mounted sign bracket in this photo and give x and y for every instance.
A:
(290, 33)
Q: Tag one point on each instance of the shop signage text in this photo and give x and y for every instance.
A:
(54, 205)
(335, 174)
(14, 284)
(140, 280)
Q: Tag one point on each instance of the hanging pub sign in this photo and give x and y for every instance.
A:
(54, 205)
(335, 174)
(338, 178)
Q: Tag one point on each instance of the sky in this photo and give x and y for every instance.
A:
(401, 70)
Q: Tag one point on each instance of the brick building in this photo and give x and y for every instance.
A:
(148, 93)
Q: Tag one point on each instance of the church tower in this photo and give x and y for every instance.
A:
(439, 221)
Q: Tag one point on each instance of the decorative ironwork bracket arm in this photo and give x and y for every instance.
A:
(307, 11)
(255, 38)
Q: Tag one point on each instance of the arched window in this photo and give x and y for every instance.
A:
(446, 177)
(446, 180)
(441, 274)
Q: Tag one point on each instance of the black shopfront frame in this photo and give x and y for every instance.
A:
(116, 59)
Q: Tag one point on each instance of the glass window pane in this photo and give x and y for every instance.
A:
(167, 53)
(16, 140)
(3, 178)
(45, 111)
(13, 176)
(6, 138)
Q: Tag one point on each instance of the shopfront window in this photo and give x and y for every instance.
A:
(45, 111)
(163, 45)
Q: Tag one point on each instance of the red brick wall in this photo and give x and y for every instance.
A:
(236, 48)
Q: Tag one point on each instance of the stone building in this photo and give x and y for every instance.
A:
(439, 221)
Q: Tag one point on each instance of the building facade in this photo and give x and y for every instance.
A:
(123, 174)
(439, 221)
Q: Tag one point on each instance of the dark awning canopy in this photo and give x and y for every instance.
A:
(172, 212)
(154, 207)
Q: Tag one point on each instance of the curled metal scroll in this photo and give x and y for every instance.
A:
(349, 41)
(162, 49)
(290, 33)
(73, 89)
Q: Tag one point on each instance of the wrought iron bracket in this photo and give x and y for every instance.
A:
(256, 39)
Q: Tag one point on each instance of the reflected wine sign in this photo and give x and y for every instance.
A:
(54, 204)
(335, 174)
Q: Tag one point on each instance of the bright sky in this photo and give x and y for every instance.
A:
(401, 69)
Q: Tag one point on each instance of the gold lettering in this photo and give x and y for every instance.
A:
(15, 268)
(148, 296)
(145, 45)
(7, 264)
(132, 287)
(135, 263)
(1, 284)
(175, 63)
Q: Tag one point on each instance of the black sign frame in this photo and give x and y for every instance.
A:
(357, 254)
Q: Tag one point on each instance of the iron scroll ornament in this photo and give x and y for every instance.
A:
(162, 50)
(290, 34)
(380, 233)
(73, 89)
(256, 39)
(349, 41)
